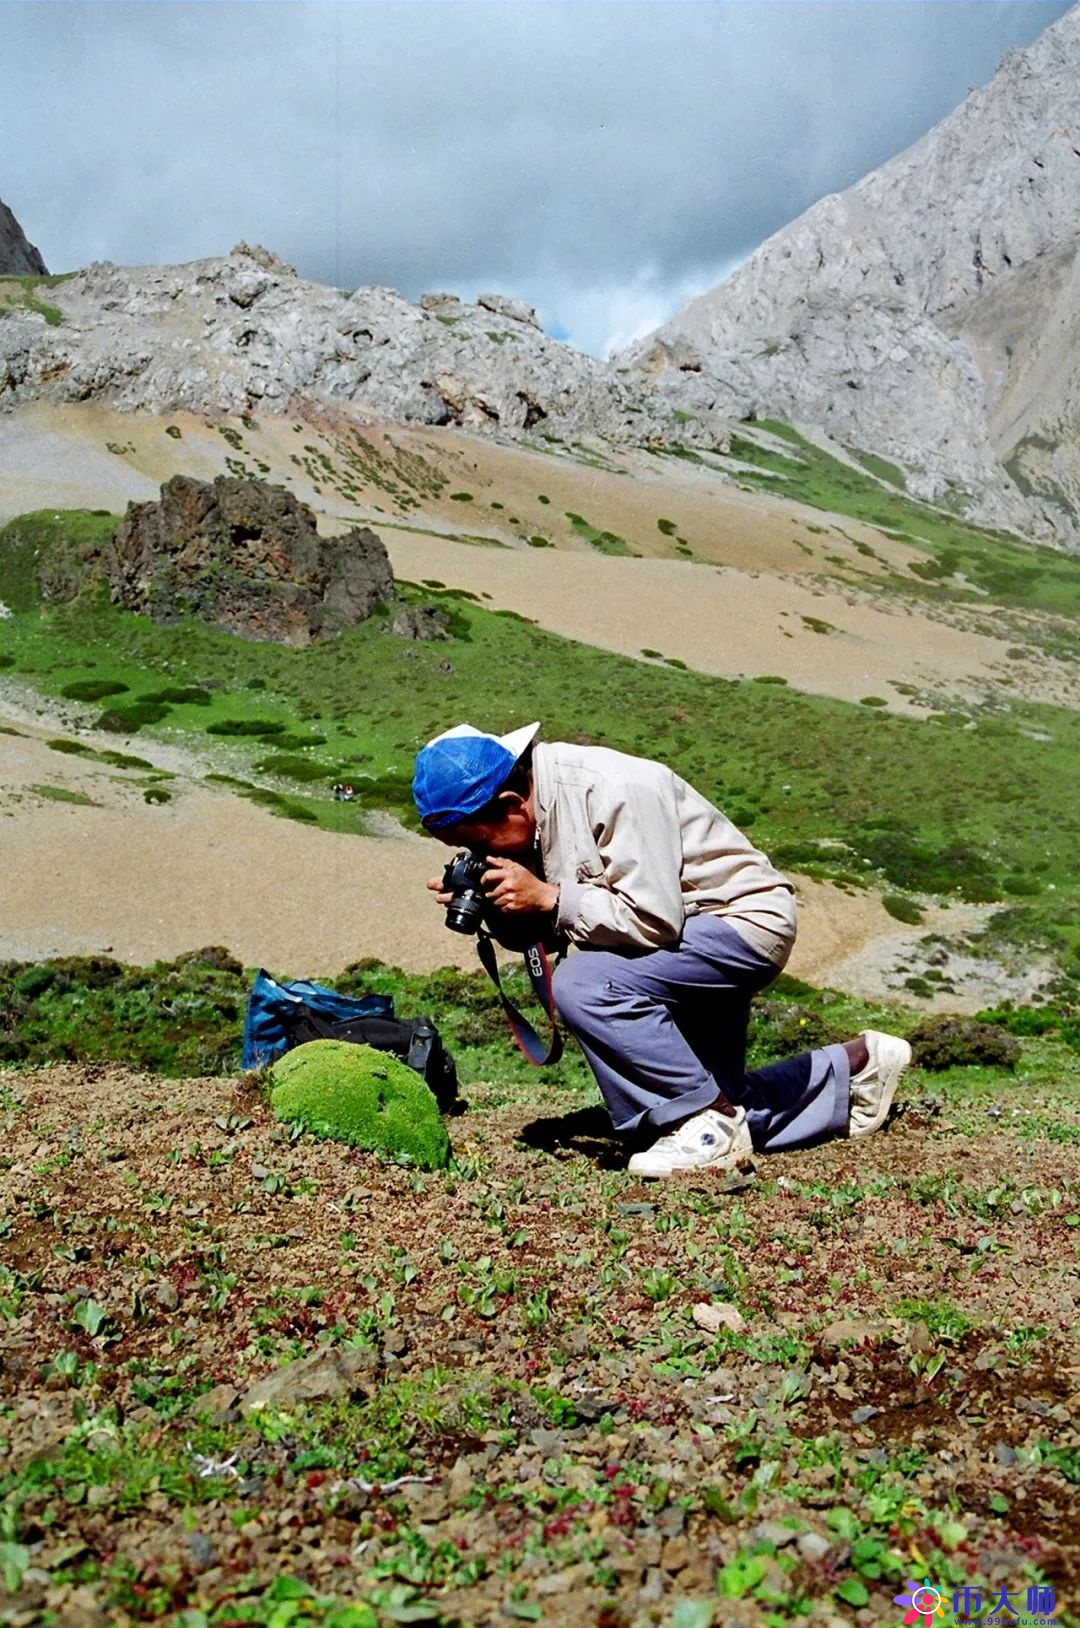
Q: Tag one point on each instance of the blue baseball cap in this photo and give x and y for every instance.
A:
(462, 769)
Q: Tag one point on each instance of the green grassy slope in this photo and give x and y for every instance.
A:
(979, 804)
(964, 563)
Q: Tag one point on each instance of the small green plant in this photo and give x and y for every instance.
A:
(658, 1283)
(944, 1320)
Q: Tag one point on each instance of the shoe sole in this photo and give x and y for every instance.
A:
(730, 1162)
(890, 1080)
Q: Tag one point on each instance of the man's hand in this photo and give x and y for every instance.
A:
(435, 886)
(515, 890)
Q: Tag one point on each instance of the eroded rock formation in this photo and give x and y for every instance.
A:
(244, 556)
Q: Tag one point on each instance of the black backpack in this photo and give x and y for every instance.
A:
(280, 1016)
(415, 1041)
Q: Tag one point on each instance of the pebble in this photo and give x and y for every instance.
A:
(202, 1550)
(675, 1555)
(772, 1532)
(812, 1546)
(548, 1441)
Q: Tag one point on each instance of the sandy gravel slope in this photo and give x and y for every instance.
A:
(764, 598)
(141, 881)
(730, 622)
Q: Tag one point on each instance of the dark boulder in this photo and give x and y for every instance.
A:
(246, 557)
(18, 257)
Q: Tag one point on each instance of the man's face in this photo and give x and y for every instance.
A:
(514, 834)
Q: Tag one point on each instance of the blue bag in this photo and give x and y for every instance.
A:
(273, 1009)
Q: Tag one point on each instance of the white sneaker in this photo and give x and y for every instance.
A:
(708, 1141)
(873, 1087)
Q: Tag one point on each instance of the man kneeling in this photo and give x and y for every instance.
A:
(679, 922)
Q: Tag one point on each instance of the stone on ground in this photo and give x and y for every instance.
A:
(322, 1376)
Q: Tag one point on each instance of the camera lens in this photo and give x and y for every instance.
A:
(464, 915)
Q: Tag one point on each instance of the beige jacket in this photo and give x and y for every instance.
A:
(635, 850)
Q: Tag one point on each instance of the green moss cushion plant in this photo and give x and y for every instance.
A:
(356, 1094)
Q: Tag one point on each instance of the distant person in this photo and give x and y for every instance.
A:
(677, 920)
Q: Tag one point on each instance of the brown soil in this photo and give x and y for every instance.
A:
(153, 1199)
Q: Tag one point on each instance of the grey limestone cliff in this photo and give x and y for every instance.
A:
(243, 330)
(931, 312)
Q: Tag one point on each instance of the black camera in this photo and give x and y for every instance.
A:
(462, 878)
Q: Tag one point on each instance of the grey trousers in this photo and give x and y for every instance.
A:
(662, 1029)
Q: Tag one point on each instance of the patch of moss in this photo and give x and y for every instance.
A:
(293, 743)
(245, 726)
(296, 768)
(901, 908)
(61, 794)
(124, 760)
(93, 689)
(355, 1094)
(181, 695)
(129, 720)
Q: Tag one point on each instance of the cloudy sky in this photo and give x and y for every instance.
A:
(602, 159)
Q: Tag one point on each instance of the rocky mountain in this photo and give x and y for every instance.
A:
(18, 258)
(930, 313)
(243, 331)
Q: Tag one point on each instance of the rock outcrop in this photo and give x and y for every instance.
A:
(232, 334)
(246, 557)
(930, 312)
(18, 257)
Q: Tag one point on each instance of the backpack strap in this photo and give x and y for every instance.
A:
(538, 968)
(420, 1044)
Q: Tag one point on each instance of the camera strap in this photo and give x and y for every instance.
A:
(538, 968)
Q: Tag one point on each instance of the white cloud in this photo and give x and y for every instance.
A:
(605, 317)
